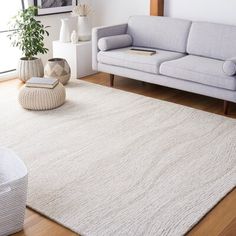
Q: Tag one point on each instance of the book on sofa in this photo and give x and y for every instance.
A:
(145, 52)
(38, 82)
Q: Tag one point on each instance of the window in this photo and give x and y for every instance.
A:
(9, 56)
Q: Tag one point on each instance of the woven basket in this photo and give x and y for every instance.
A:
(58, 68)
(13, 191)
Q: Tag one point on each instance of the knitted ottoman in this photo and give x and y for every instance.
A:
(42, 98)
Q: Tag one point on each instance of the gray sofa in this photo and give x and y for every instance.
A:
(198, 57)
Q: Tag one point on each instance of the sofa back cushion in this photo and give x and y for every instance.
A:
(159, 32)
(212, 40)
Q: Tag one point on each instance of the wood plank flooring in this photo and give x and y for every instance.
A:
(221, 221)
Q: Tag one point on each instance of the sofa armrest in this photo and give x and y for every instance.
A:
(101, 32)
(229, 66)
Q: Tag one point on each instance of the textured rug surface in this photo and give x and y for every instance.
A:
(114, 163)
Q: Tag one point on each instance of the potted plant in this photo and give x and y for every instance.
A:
(28, 35)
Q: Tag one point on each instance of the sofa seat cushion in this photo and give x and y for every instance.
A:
(200, 70)
(124, 58)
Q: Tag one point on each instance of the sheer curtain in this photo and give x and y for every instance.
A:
(9, 56)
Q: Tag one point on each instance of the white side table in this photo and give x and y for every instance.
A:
(79, 57)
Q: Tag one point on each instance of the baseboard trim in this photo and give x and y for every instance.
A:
(8, 76)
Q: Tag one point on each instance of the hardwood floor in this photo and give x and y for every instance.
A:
(221, 221)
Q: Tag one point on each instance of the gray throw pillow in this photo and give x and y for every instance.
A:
(229, 67)
(115, 42)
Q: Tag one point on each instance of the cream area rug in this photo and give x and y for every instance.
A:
(114, 163)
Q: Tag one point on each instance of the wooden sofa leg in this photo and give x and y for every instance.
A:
(111, 80)
(226, 107)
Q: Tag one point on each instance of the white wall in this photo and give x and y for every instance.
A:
(220, 11)
(54, 21)
(108, 12)
(117, 11)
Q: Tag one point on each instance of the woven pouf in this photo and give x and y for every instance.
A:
(42, 98)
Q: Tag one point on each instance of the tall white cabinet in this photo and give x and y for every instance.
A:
(79, 57)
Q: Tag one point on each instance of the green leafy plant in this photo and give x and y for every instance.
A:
(28, 33)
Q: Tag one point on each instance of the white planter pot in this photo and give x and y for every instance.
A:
(29, 68)
(84, 28)
(65, 31)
